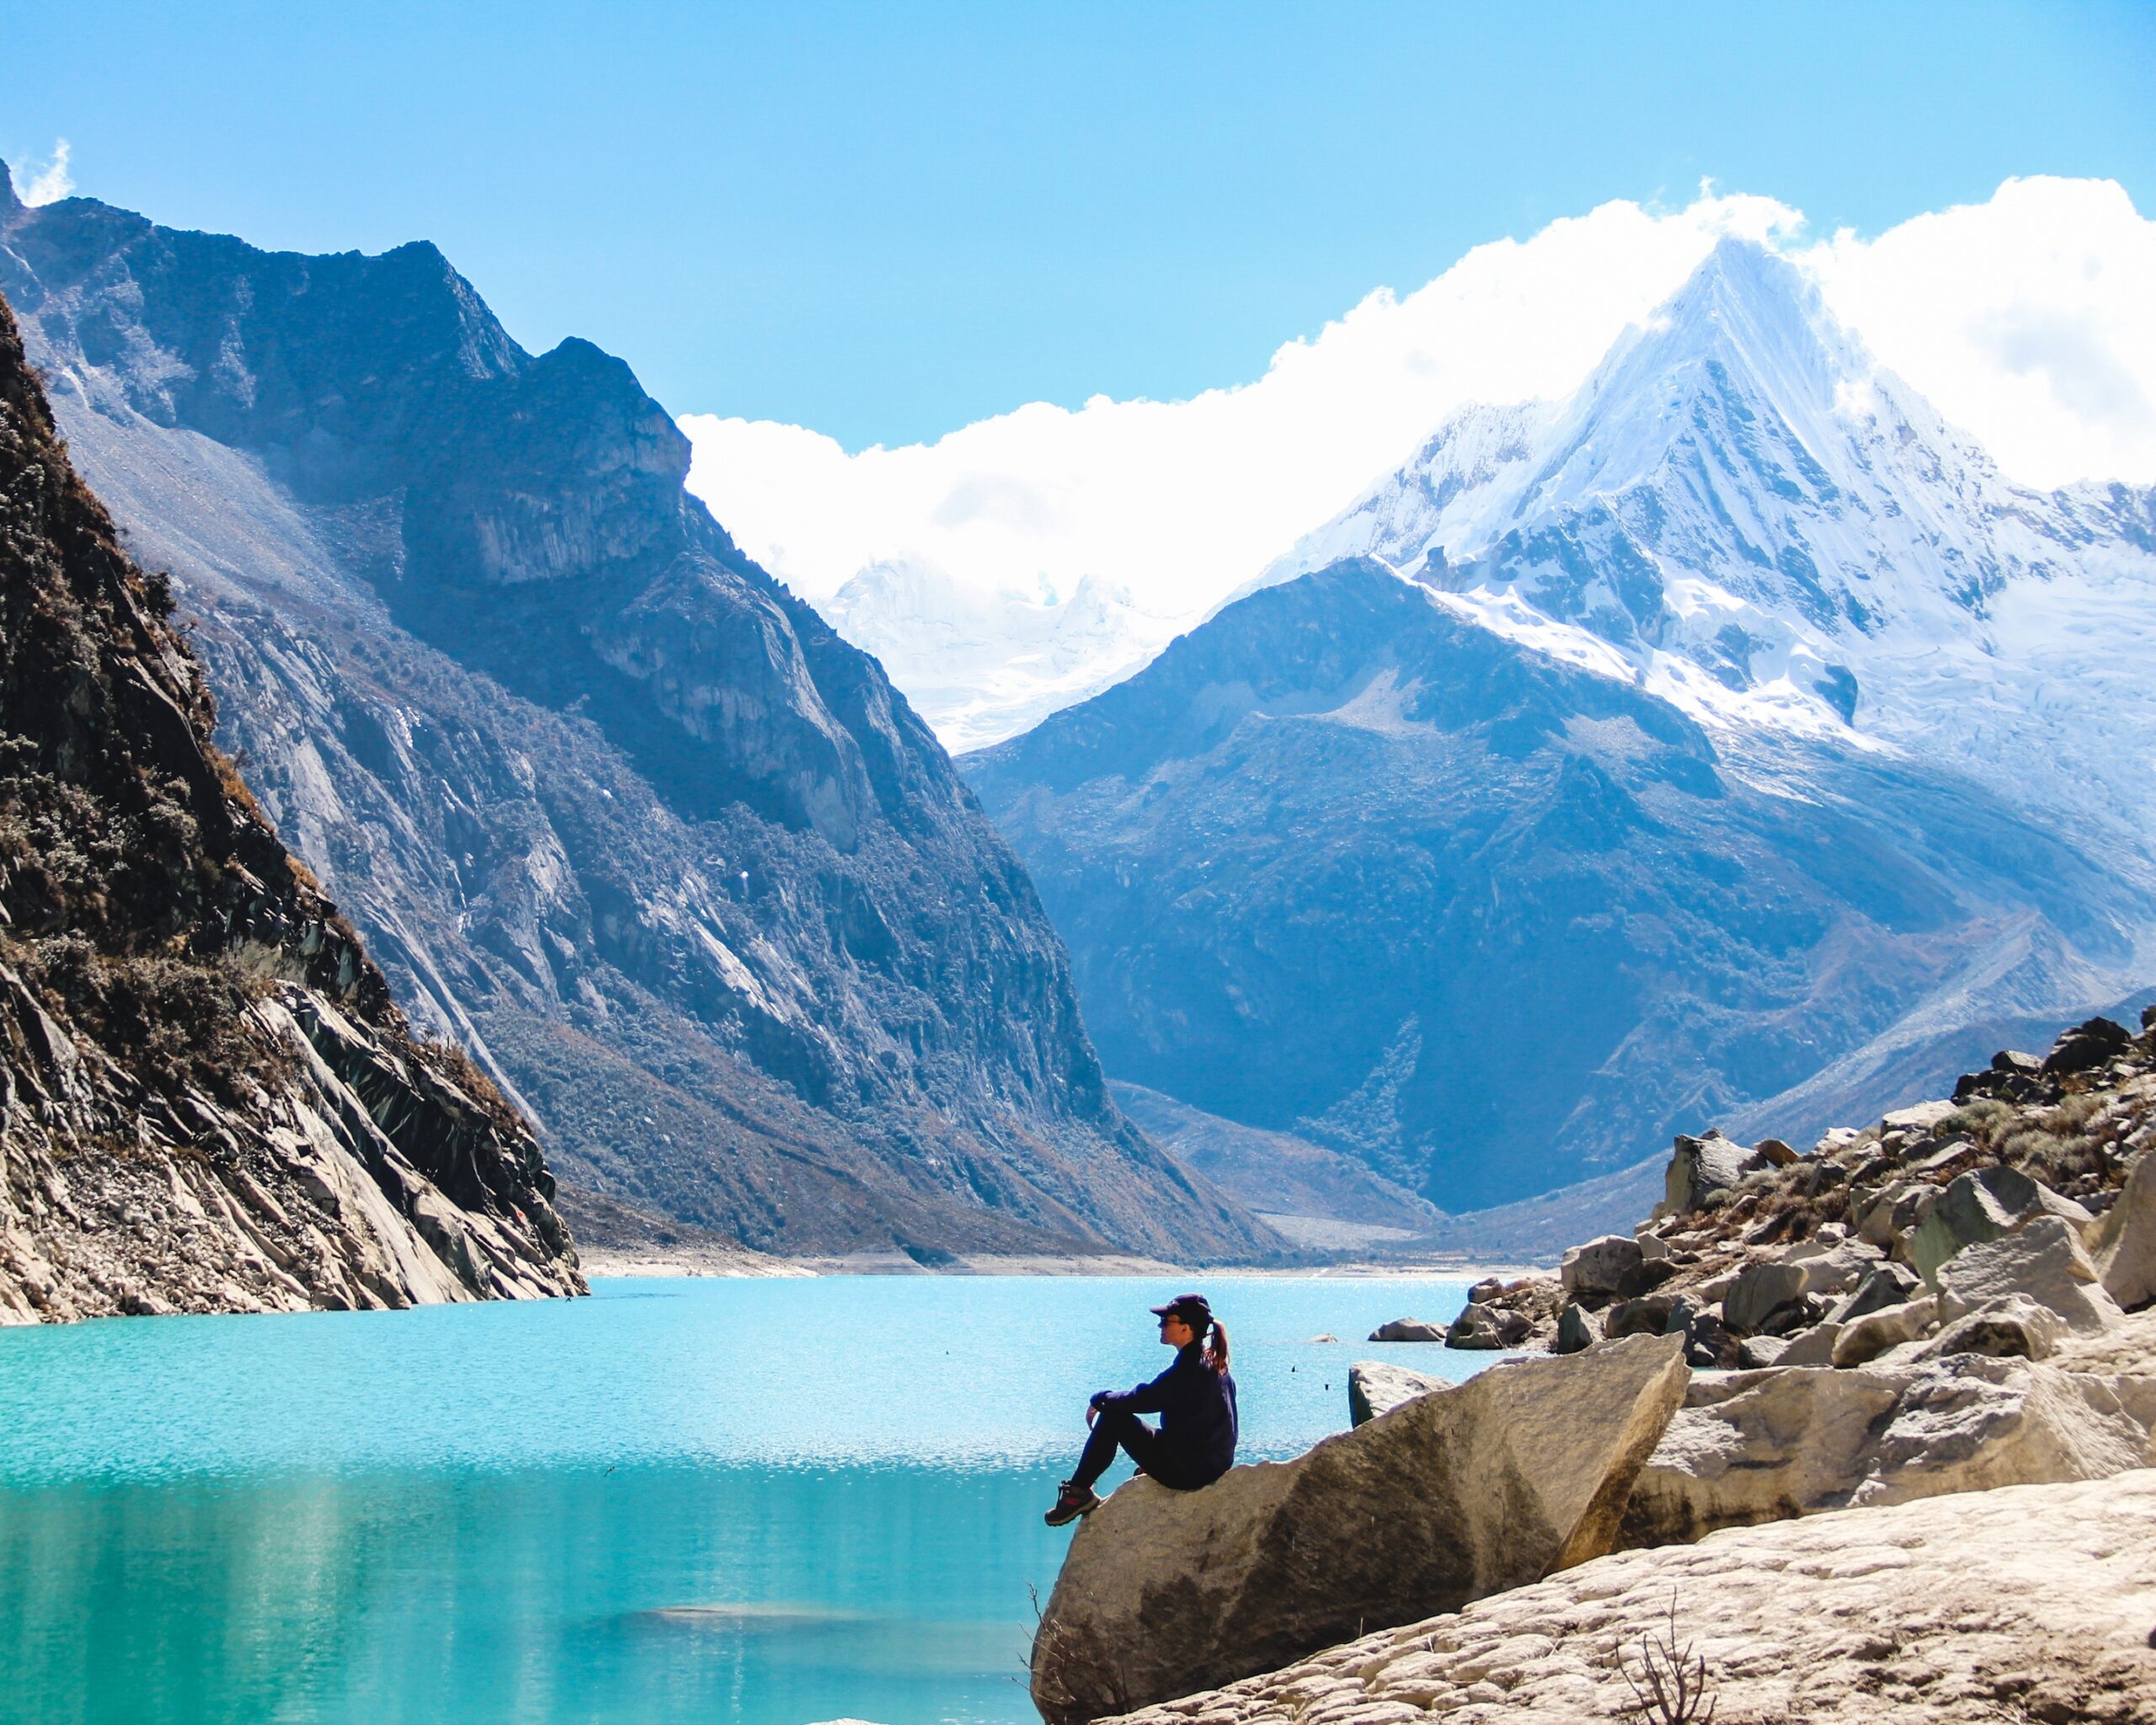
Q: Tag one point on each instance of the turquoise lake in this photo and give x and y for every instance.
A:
(773, 1501)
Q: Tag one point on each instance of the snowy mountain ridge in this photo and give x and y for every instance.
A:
(1740, 512)
(980, 668)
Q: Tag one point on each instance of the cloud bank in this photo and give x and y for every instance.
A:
(51, 183)
(2030, 320)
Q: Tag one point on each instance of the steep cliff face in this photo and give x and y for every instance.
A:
(208, 1101)
(617, 810)
(1344, 862)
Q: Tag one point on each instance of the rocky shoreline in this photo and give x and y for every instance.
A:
(1901, 1468)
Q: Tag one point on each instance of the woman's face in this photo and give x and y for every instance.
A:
(1175, 1333)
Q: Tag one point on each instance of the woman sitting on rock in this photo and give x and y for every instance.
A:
(1196, 1400)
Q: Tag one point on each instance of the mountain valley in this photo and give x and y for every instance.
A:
(616, 811)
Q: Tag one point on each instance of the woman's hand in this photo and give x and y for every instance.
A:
(1092, 1412)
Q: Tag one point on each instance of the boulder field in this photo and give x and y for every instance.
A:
(1954, 1305)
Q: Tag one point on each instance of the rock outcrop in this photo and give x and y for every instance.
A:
(2032, 1603)
(1376, 1387)
(1408, 1329)
(619, 813)
(1749, 1447)
(208, 1102)
(2123, 1243)
(1872, 1393)
(1446, 1497)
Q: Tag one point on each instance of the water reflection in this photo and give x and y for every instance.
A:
(767, 1504)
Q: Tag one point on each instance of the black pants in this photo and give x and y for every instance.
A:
(1115, 1429)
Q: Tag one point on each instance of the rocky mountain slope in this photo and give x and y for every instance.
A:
(617, 811)
(208, 1102)
(1346, 863)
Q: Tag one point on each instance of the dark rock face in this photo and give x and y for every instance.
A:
(208, 1101)
(618, 811)
(1343, 864)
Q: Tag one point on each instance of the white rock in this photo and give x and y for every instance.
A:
(1922, 1117)
(2044, 1262)
(1812, 1346)
(1864, 1339)
(2122, 1242)
(1832, 1266)
(1376, 1387)
(2033, 1602)
(2015, 1327)
(1600, 1266)
(1981, 1205)
(1699, 1167)
(1757, 1446)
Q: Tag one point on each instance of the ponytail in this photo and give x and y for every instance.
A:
(1216, 1347)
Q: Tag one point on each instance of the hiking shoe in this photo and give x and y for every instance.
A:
(1071, 1502)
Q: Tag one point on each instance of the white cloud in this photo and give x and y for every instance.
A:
(2030, 320)
(51, 183)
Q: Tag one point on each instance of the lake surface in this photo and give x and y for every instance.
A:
(773, 1502)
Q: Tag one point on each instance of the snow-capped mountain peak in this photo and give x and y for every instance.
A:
(1742, 511)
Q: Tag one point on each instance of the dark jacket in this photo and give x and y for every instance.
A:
(1197, 1405)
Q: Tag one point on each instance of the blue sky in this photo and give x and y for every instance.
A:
(886, 221)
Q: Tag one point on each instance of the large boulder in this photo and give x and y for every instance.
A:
(2026, 1605)
(2087, 1046)
(1865, 1339)
(1883, 1215)
(1577, 1330)
(1603, 1266)
(1699, 1167)
(1408, 1329)
(1986, 1204)
(1917, 1119)
(1761, 1446)
(2044, 1262)
(2015, 1328)
(1376, 1387)
(1884, 1285)
(1521, 1471)
(1832, 1266)
(1489, 1327)
(1759, 1291)
(2123, 1242)
(1813, 1346)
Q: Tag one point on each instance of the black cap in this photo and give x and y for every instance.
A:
(1191, 1308)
